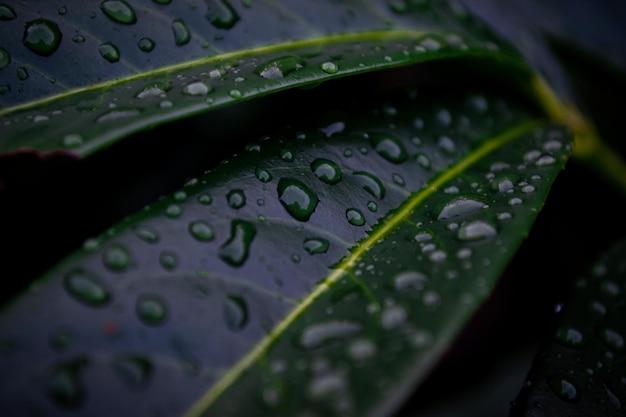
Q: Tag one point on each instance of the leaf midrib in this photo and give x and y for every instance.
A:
(381, 230)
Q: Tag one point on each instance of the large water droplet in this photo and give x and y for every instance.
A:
(410, 280)
(389, 147)
(65, 388)
(298, 199)
(221, 14)
(236, 249)
(109, 52)
(280, 67)
(86, 289)
(42, 36)
(326, 170)
(181, 32)
(235, 313)
(135, 371)
(355, 217)
(476, 230)
(370, 183)
(564, 389)
(569, 336)
(201, 230)
(151, 309)
(459, 207)
(317, 335)
(116, 258)
(316, 245)
(236, 198)
(119, 11)
(7, 12)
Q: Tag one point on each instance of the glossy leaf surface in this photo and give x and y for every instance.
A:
(78, 78)
(580, 371)
(325, 269)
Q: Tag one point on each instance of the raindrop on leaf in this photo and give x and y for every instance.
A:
(298, 199)
(42, 36)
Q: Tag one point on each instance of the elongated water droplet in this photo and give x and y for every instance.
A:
(280, 67)
(146, 44)
(236, 94)
(197, 88)
(361, 349)
(109, 52)
(119, 11)
(326, 170)
(459, 207)
(564, 389)
(389, 147)
(147, 234)
(116, 258)
(476, 230)
(410, 280)
(182, 36)
(316, 245)
(7, 12)
(298, 199)
(236, 198)
(153, 90)
(42, 36)
(236, 249)
(329, 67)
(235, 313)
(65, 387)
(151, 309)
(317, 335)
(5, 58)
(612, 339)
(355, 217)
(86, 289)
(135, 371)
(370, 183)
(221, 14)
(423, 160)
(201, 230)
(569, 336)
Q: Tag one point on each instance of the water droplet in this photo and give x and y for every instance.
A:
(612, 339)
(7, 12)
(372, 206)
(361, 349)
(389, 147)
(5, 58)
(355, 217)
(221, 14)
(320, 334)
(146, 44)
(502, 184)
(423, 160)
(116, 258)
(443, 118)
(316, 245)
(151, 309)
(65, 388)
(197, 88)
(459, 207)
(545, 160)
(280, 67)
(397, 179)
(173, 211)
(334, 128)
(153, 90)
(410, 280)
(109, 52)
(236, 94)
(515, 201)
(145, 233)
(72, 140)
(119, 11)
(78, 38)
(370, 183)
(326, 170)
(329, 67)
(263, 175)
(135, 371)
(182, 36)
(476, 230)
(286, 155)
(564, 389)
(236, 198)
(423, 236)
(86, 288)
(168, 260)
(236, 249)
(298, 199)
(201, 231)
(235, 313)
(42, 36)
(393, 317)
(446, 144)
(162, 1)
(569, 336)
(205, 199)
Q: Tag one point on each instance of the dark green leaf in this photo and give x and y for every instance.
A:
(325, 269)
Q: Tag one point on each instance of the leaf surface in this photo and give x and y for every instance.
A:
(325, 269)
(76, 79)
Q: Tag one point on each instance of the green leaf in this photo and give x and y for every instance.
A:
(579, 371)
(326, 268)
(78, 78)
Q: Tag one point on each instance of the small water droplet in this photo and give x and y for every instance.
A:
(298, 199)
(329, 67)
(116, 258)
(515, 201)
(236, 94)
(173, 211)
(545, 160)
(502, 184)
(146, 44)
(86, 289)
(564, 389)
(443, 118)
(153, 90)
(42, 36)
(7, 12)
(78, 38)
(221, 14)
(5, 58)
(119, 11)
(459, 207)
(236, 198)
(361, 349)
(316, 245)
(182, 36)
(355, 217)
(72, 140)
(201, 231)
(135, 371)
(263, 175)
(197, 88)
(370, 183)
(612, 339)
(410, 280)
(476, 230)
(151, 309)
(65, 388)
(280, 67)
(168, 260)
(235, 313)
(109, 52)
(326, 170)
(372, 206)
(389, 147)
(423, 160)
(205, 199)
(446, 144)
(317, 335)
(397, 179)
(236, 249)
(145, 233)
(286, 155)
(569, 336)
